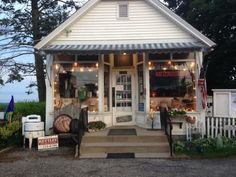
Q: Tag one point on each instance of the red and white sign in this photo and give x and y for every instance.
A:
(172, 73)
(48, 142)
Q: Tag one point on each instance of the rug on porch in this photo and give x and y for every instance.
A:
(118, 132)
(120, 155)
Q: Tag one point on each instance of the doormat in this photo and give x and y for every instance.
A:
(117, 132)
(120, 155)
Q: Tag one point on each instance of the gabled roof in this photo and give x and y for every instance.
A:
(155, 3)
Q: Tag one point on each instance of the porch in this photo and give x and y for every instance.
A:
(128, 140)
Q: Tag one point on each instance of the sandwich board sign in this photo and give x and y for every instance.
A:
(48, 142)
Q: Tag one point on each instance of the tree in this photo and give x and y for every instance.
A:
(22, 25)
(217, 20)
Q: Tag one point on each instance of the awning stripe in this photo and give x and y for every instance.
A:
(125, 47)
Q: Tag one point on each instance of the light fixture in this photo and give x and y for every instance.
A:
(97, 65)
(72, 70)
(75, 64)
(176, 67)
(184, 69)
(169, 62)
(164, 68)
(124, 53)
(81, 69)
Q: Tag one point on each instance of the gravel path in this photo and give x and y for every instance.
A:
(25, 163)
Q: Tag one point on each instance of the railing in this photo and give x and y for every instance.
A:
(169, 128)
(225, 126)
(166, 121)
(83, 127)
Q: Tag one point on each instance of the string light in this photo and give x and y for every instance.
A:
(192, 64)
(56, 66)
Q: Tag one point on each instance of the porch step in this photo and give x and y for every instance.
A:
(163, 155)
(122, 147)
(143, 139)
(147, 144)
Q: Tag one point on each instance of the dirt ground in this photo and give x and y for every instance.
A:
(20, 162)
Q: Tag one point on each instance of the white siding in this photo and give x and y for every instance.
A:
(101, 24)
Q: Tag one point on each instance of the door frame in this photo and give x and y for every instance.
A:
(115, 113)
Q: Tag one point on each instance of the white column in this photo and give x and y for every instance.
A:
(146, 82)
(199, 61)
(49, 94)
(101, 84)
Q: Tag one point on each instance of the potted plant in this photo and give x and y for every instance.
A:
(177, 113)
(96, 125)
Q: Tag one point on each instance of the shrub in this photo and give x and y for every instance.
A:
(96, 125)
(9, 129)
(28, 108)
(3, 107)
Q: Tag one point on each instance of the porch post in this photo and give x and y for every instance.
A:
(101, 84)
(199, 61)
(49, 94)
(146, 81)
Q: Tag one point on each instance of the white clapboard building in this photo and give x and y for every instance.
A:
(123, 59)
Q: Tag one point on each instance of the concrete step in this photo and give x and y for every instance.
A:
(122, 147)
(163, 155)
(99, 139)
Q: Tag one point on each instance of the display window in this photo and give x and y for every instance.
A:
(172, 82)
(77, 80)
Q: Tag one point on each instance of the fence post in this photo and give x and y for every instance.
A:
(208, 127)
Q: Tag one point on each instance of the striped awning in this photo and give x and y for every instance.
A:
(117, 48)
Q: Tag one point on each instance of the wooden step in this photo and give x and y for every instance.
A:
(163, 155)
(93, 139)
(116, 147)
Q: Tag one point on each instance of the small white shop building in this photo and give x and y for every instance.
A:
(123, 59)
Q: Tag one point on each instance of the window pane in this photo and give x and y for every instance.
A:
(123, 10)
(78, 80)
(173, 83)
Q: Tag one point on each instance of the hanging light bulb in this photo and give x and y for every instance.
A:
(81, 69)
(97, 65)
(192, 64)
(176, 67)
(149, 63)
(75, 64)
(169, 62)
(56, 66)
(164, 68)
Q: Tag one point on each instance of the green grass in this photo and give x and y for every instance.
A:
(211, 153)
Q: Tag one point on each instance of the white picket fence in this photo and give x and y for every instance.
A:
(225, 126)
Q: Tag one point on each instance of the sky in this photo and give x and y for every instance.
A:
(18, 90)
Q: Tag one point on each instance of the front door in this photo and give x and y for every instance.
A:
(123, 98)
